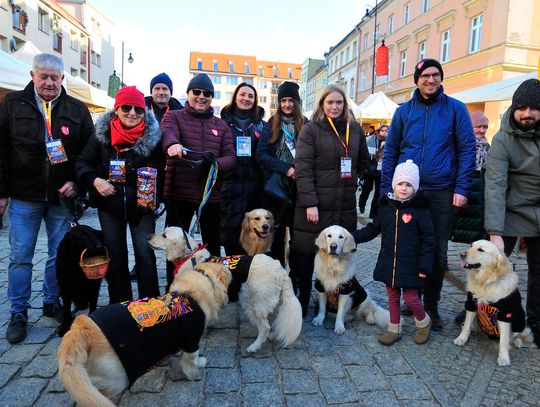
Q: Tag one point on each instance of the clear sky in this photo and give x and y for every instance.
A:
(161, 34)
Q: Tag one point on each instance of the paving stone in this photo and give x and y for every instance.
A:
(22, 392)
(392, 363)
(379, 398)
(7, 371)
(305, 400)
(299, 381)
(338, 391)
(151, 382)
(355, 355)
(4, 344)
(328, 367)
(222, 338)
(316, 347)
(408, 387)
(55, 385)
(262, 370)
(221, 357)
(51, 348)
(293, 359)
(54, 400)
(42, 366)
(222, 400)
(21, 354)
(259, 395)
(222, 380)
(367, 378)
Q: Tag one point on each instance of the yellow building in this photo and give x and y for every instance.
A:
(227, 71)
(477, 41)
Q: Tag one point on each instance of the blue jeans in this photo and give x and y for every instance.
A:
(442, 215)
(24, 224)
(115, 238)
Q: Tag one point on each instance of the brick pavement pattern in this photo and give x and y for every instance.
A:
(319, 369)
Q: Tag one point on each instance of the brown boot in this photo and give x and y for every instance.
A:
(423, 329)
(391, 336)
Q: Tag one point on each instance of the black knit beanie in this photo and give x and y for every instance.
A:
(201, 81)
(425, 64)
(527, 95)
(161, 78)
(289, 89)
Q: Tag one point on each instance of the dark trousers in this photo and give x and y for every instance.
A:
(367, 187)
(442, 215)
(302, 272)
(115, 239)
(180, 213)
(533, 278)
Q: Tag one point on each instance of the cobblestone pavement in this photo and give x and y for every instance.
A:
(320, 368)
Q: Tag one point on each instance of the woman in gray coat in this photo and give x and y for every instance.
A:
(330, 152)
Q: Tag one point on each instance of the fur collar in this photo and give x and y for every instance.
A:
(144, 145)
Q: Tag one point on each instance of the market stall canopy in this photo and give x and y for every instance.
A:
(376, 108)
(493, 92)
(15, 74)
(96, 99)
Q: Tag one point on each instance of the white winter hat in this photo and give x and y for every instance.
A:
(407, 172)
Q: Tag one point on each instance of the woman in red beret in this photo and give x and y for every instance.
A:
(122, 167)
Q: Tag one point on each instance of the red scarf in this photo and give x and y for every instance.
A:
(122, 137)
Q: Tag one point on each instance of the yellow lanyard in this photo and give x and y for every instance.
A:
(47, 110)
(346, 144)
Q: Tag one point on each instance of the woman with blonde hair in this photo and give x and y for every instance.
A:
(330, 152)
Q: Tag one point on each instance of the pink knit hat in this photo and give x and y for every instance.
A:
(407, 172)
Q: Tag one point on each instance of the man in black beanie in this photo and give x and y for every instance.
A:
(435, 131)
(161, 100)
(512, 194)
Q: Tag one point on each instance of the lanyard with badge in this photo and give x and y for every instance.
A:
(289, 141)
(243, 143)
(55, 148)
(346, 162)
(117, 168)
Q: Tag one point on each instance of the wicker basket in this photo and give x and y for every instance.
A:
(95, 267)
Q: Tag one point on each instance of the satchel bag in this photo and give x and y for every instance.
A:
(276, 186)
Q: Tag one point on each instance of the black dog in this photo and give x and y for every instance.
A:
(75, 287)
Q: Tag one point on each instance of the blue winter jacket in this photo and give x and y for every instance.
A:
(438, 137)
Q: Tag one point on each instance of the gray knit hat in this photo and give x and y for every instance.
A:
(201, 81)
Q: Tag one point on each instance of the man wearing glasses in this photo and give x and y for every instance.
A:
(193, 140)
(42, 130)
(435, 131)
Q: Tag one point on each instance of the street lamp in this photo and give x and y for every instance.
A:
(374, 45)
(130, 60)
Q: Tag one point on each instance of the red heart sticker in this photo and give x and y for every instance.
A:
(406, 217)
(65, 130)
(215, 132)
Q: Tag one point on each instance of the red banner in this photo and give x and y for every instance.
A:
(381, 60)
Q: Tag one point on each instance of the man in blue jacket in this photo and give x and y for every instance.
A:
(435, 131)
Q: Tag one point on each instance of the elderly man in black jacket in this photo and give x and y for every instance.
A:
(42, 130)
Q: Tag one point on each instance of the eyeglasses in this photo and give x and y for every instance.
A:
(426, 76)
(127, 109)
(206, 93)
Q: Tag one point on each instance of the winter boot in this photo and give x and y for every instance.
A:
(392, 335)
(423, 329)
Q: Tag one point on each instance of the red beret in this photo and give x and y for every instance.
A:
(130, 96)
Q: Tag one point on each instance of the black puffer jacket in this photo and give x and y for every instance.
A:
(242, 187)
(407, 242)
(94, 162)
(25, 171)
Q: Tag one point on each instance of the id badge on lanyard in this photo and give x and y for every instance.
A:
(346, 167)
(346, 162)
(117, 171)
(56, 152)
(243, 146)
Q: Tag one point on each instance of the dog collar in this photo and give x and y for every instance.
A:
(179, 262)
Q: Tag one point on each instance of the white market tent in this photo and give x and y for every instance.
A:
(15, 73)
(493, 92)
(95, 99)
(376, 108)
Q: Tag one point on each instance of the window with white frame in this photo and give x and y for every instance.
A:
(228, 95)
(425, 5)
(355, 49)
(260, 70)
(231, 66)
(445, 46)
(217, 79)
(217, 95)
(475, 34)
(262, 84)
(406, 13)
(199, 63)
(363, 80)
(74, 40)
(232, 80)
(246, 67)
(348, 54)
(391, 24)
(331, 66)
(403, 64)
(366, 41)
(352, 91)
(377, 32)
(43, 21)
(215, 63)
(421, 50)
(275, 71)
(262, 99)
(341, 62)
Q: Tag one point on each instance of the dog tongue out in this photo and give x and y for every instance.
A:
(466, 265)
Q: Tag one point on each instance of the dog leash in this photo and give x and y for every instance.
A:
(178, 263)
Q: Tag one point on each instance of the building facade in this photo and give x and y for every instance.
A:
(307, 83)
(227, 71)
(342, 61)
(63, 28)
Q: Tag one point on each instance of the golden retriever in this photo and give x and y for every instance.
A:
(267, 287)
(96, 371)
(257, 232)
(337, 285)
(493, 296)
